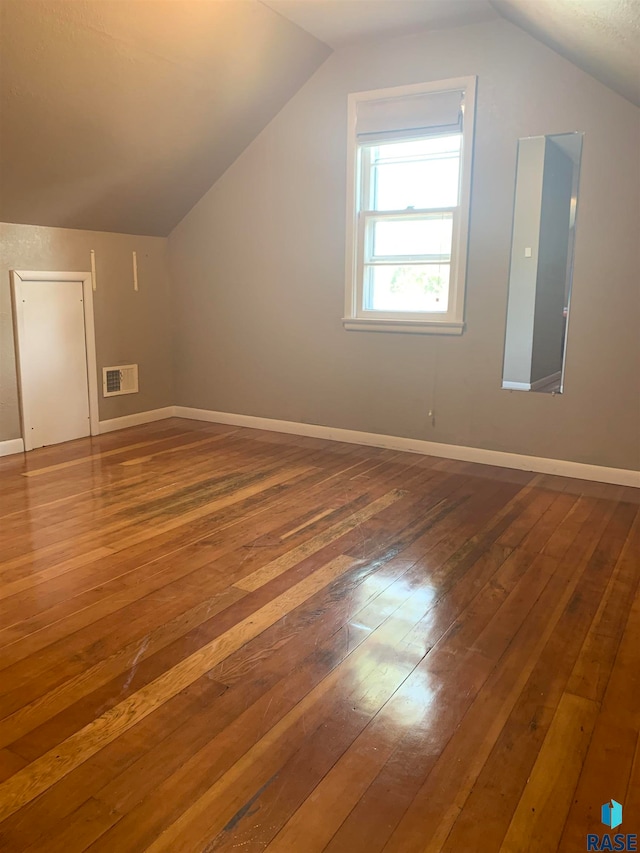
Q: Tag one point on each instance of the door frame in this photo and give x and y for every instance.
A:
(19, 278)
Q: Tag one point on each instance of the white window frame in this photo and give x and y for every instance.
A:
(357, 318)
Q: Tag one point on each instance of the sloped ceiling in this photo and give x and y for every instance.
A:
(600, 36)
(118, 115)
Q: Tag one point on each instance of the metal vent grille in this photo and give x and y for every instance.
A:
(114, 381)
(122, 379)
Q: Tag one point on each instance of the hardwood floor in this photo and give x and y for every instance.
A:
(222, 639)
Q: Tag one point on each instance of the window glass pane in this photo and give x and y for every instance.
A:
(420, 184)
(420, 148)
(420, 173)
(427, 236)
(407, 287)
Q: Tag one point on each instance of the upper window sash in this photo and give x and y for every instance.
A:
(369, 166)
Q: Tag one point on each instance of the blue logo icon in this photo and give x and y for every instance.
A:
(612, 814)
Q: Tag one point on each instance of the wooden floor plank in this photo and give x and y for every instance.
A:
(316, 612)
(608, 674)
(213, 555)
(441, 799)
(45, 771)
(538, 820)
(533, 711)
(124, 570)
(214, 638)
(377, 810)
(359, 659)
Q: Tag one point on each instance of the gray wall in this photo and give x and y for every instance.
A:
(258, 266)
(546, 358)
(130, 327)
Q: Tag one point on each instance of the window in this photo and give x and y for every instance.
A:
(408, 207)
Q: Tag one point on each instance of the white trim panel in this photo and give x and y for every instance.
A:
(137, 419)
(11, 446)
(538, 464)
(407, 327)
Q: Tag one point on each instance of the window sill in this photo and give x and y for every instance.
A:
(407, 327)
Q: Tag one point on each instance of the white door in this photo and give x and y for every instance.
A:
(53, 362)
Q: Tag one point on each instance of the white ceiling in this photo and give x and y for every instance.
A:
(337, 22)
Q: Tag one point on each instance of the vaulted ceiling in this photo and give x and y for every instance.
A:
(118, 115)
(338, 22)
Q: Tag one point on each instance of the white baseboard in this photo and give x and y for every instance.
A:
(16, 445)
(137, 419)
(508, 385)
(546, 380)
(13, 445)
(538, 464)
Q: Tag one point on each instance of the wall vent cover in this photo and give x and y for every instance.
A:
(122, 379)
